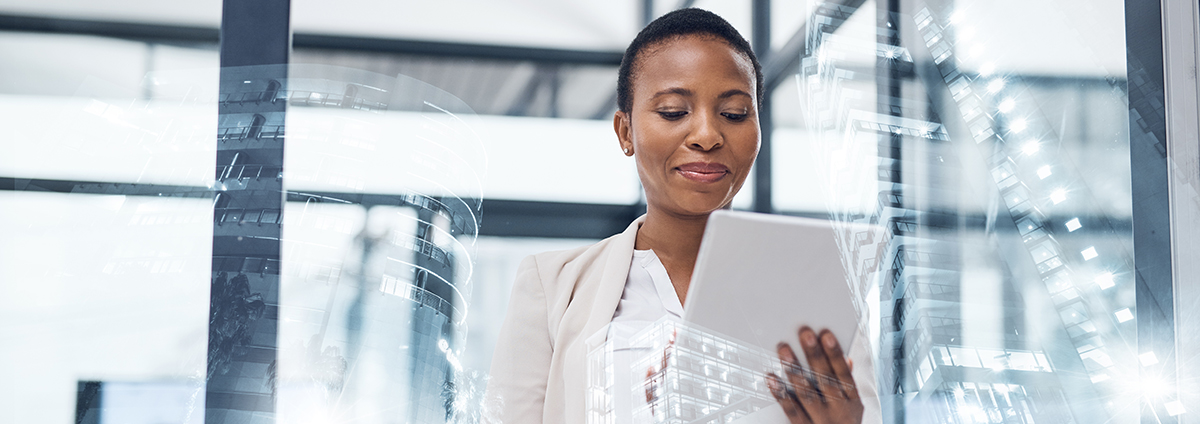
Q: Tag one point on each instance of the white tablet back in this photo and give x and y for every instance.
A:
(760, 277)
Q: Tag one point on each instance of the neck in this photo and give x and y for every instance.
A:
(671, 235)
(675, 240)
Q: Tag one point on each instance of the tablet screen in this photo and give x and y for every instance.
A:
(759, 278)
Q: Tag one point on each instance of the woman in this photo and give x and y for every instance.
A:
(688, 91)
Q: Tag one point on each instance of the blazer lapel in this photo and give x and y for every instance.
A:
(612, 280)
(616, 257)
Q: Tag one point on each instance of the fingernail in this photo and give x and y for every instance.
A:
(830, 341)
(808, 339)
(785, 352)
(773, 385)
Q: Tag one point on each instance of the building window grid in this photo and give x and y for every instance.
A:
(986, 403)
(1016, 194)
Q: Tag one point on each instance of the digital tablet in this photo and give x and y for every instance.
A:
(759, 278)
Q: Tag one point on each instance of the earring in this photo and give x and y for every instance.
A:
(627, 150)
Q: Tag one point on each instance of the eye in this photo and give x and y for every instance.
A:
(672, 115)
(736, 117)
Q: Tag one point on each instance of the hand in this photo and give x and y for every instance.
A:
(656, 378)
(826, 394)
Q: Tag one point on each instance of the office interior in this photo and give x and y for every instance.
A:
(313, 212)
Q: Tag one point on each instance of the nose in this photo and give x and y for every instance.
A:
(705, 135)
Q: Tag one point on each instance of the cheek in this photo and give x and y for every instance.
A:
(648, 167)
(747, 150)
(654, 144)
(652, 132)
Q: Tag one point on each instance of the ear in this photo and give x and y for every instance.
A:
(624, 130)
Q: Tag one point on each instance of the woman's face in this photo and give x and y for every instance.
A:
(693, 124)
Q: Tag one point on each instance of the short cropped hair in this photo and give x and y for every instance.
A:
(679, 23)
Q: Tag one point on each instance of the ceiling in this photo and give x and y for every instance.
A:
(573, 24)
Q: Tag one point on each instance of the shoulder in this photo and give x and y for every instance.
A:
(548, 284)
(550, 266)
(561, 273)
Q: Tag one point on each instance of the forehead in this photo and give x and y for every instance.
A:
(692, 56)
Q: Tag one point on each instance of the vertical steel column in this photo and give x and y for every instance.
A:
(887, 93)
(761, 42)
(428, 276)
(244, 301)
(1181, 44)
(1151, 200)
(888, 81)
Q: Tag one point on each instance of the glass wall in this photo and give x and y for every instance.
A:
(989, 143)
(166, 259)
(107, 217)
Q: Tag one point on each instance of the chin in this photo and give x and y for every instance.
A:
(704, 206)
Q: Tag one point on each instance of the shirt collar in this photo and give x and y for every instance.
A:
(662, 281)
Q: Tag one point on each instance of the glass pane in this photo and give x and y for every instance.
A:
(989, 141)
(108, 291)
(107, 221)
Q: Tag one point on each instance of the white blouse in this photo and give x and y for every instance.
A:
(648, 296)
(648, 293)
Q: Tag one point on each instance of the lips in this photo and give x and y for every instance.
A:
(703, 172)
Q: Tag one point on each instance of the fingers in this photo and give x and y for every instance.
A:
(803, 390)
(667, 352)
(794, 411)
(818, 362)
(823, 394)
(841, 369)
(651, 380)
(649, 385)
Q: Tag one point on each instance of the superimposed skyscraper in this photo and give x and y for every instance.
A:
(991, 308)
(381, 189)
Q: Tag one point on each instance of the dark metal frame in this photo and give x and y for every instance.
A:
(125, 30)
(255, 46)
(501, 218)
(1151, 197)
(761, 41)
(462, 50)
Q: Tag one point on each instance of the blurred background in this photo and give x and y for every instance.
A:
(313, 211)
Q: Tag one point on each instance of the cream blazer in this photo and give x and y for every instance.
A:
(559, 299)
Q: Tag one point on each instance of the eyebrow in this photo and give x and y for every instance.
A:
(675, 90)
(687, 93)
(734, 92)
